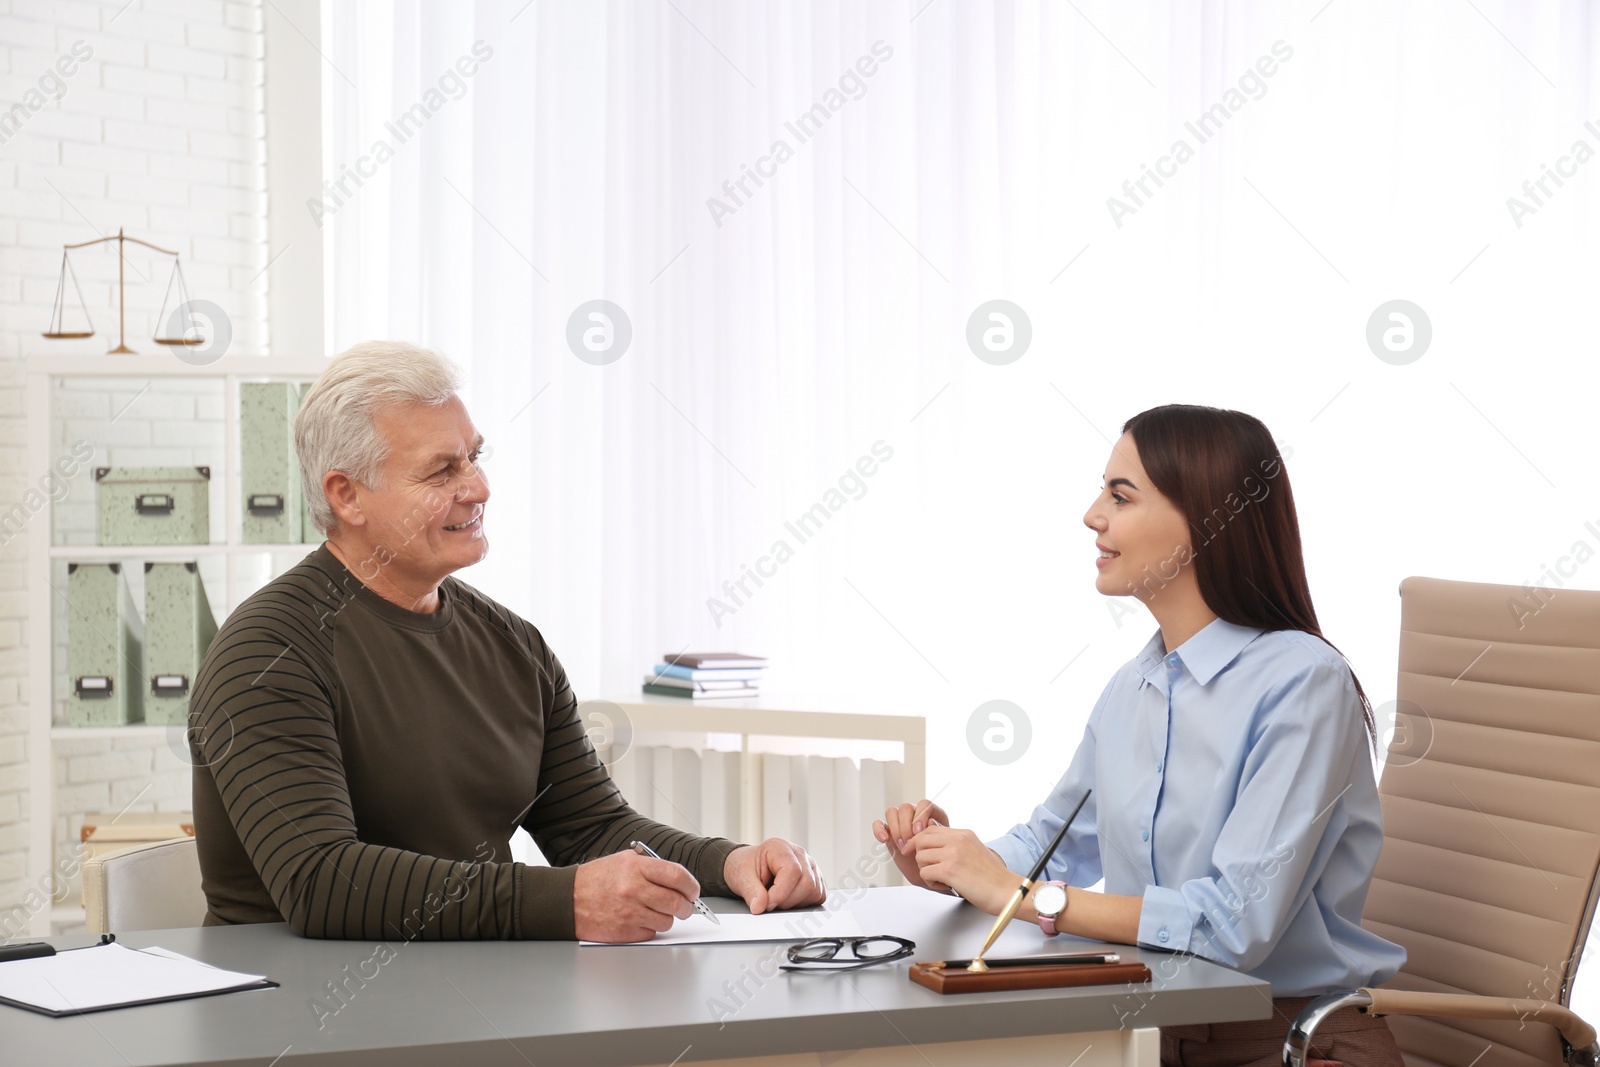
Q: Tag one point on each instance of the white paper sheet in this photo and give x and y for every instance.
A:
(773, 926)
(107, 975)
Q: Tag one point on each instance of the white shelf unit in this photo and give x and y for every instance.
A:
(780, 716)
(43, 371)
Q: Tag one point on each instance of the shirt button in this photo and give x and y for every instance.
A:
(1162, 936)
(1160, 765)
(1145, 836)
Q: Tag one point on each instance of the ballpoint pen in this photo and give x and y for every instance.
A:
(699, 905)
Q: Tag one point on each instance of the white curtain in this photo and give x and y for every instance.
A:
(1352, 153)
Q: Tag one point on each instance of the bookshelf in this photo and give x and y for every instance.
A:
(44, 732)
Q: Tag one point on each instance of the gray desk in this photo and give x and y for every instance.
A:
(556, 1004)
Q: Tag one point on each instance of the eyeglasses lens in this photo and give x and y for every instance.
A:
(875, 948)
(816, 951)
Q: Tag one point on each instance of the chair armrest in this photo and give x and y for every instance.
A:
(1578, 1035)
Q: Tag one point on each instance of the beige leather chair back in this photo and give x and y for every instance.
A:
(1491, 808)
(153, 886)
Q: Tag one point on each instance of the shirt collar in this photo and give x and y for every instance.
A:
(1217, 644)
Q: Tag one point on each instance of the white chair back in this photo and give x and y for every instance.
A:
(154, 886)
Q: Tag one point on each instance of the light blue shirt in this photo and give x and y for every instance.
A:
(1234, 793)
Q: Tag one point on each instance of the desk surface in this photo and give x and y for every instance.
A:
(515, 1003)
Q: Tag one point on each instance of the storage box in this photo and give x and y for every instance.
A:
(104, 642)
(178, 628)
(308, 529)
(269, 477)
(154, 505)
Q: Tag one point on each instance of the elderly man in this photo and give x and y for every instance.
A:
(368, 732)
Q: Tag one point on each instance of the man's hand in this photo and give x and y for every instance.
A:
(774, 874)
(629, 897)
(896, 829)
(956, 858)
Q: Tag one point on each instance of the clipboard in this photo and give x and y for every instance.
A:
(1008, 974)
(106, 975)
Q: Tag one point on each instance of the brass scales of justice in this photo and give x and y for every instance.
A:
(58, 330)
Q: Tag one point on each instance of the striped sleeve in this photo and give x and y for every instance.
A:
(262, 723)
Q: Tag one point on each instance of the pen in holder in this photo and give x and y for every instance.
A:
(1009, 912)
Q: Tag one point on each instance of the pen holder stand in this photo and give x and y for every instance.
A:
(946, 980)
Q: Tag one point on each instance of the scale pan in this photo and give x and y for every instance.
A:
(179, 340)
(67, 336)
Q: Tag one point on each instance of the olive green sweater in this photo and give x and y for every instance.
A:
(359, 769)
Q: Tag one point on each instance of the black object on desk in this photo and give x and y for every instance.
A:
(32, 950)
(26, 951)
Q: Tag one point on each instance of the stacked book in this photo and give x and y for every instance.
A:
(706, 675)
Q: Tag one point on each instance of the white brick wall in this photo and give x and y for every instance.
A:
(159, 131)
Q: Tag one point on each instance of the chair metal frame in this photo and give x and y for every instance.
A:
(1578, 1045)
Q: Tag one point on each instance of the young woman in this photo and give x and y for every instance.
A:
(1234, 813)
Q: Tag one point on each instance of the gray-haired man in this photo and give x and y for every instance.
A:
(368, 732)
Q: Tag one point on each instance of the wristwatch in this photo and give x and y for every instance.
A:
(1050, 901)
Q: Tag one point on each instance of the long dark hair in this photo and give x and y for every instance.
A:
(1222, 469)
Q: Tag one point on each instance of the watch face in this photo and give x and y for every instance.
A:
(1049, 899)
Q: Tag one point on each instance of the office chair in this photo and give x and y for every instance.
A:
(154, 886)
(1491, 813)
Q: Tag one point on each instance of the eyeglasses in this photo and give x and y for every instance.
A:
(819, 954)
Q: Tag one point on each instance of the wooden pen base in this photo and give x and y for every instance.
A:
(945, 980)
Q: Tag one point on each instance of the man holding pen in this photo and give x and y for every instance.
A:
(368, 732)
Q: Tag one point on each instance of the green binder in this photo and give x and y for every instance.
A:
(269, 477)
(178, 628)
(104, 640)
(308, 530)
